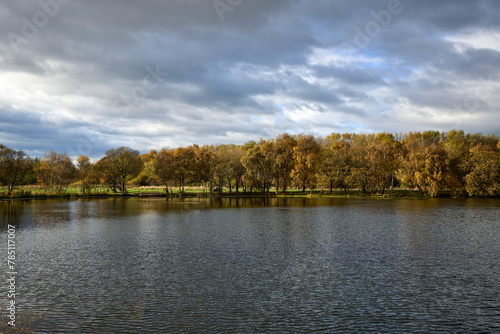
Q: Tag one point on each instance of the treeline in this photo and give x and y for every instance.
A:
(432, 162)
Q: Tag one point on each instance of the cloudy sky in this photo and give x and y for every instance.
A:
(84, 76)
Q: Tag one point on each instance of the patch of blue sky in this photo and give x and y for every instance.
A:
(255, 119)
(402, 73)
(371, 54)
(374, 65)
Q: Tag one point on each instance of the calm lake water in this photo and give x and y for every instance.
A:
(255, 265)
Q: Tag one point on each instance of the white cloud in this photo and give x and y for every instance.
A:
(477, 39)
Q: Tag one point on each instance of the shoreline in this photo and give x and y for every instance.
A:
(395, 194)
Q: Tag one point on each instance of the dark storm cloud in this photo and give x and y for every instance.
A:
(92, 74)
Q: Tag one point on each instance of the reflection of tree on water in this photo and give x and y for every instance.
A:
(8, 214)
(26, 321)
(17, 213)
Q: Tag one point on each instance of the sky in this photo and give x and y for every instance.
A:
(84, 76)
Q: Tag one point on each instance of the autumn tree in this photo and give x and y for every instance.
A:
(410, 157)
(424, 162)
(306, 154)
(107, 174)
(382, 155)
(55, 171)
(84, 168)
(284, 159)
(430, 161)
(326, 167)
(220, 166)
(431, 178)
(235, 165)
(458, 146)
(258, 163)
(226, 166)
(147, 176)
(95, 176)
(14, 166)
(336, 161)
(184, 164)
(164, 167)
(203, 158)
(484, 178)
(119, 165)
(359, 173)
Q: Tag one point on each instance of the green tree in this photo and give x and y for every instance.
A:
(30, 176)
(14, 166)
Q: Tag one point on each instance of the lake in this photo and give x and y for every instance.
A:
(254, 265)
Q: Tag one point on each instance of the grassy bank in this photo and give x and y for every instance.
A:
(75, 192)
